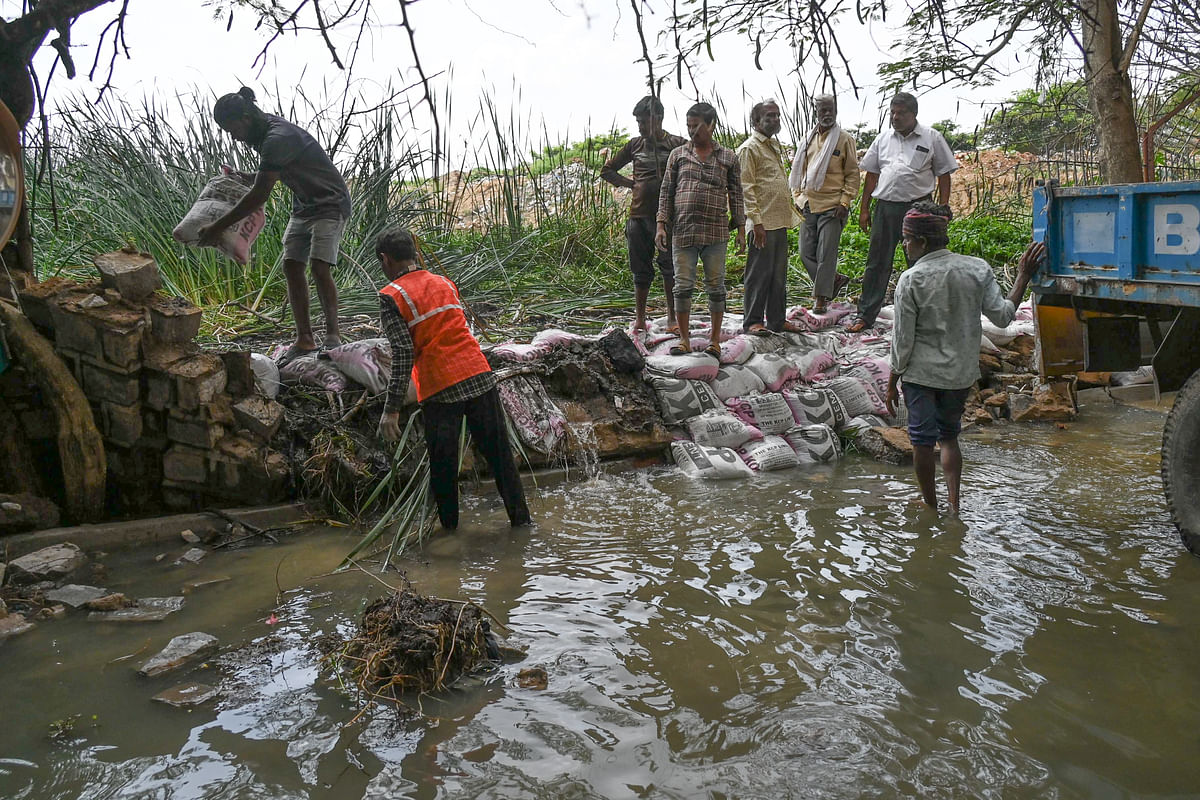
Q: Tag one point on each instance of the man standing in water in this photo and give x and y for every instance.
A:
(769, 214)
(320, 208)
(701, 199)
(648, 152)
(935, 341)
(825, 178)
(422, 316)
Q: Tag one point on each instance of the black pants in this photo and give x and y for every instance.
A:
(887, 219)
(485, 421)
(765, 282)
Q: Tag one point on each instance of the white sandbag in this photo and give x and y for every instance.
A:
(816, 406)
(735, 380)
(266, 375)
(768, 411)
(736, 350)
(682, 399)
(768, 453)
(710, 463)
(511, 351)
(1004, 336)
(887, 312)
(877, 371)
(218, 196)
(539, 423)
(311, 371)
(556, 336)
(986, 345)
(774, 370)
(812, 363)
(858, 395)
(694, 366)
(367, 362)
(719, 428)
(814, 444)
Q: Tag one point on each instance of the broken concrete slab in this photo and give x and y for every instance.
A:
(48, 564)
(258, 416)
(198, 379)
(132, 274)
(148, 609)
(76, 595)
(193, 556)
(173, 320)
(179, 651)
(14, 625)
(186, 695)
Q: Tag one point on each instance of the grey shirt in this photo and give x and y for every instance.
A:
(318, 190)
(935, 338)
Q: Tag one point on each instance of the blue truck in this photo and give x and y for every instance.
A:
(1120, 289)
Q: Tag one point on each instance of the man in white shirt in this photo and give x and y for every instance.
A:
(903, 166)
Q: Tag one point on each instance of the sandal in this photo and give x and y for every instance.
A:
(673, 330)
(791, 327)
(680, 350)
(856, 325)
(840, 282)
(820, 305)
(713, 350)
(758, 330)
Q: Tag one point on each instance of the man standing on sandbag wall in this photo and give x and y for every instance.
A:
(422, 316)
(320, 209)
(769, 214)
(648, 152)
(935, 340)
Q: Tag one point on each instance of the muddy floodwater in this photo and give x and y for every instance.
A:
(804, 634)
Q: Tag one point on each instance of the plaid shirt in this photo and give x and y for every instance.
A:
(701, 201)
(404, 356)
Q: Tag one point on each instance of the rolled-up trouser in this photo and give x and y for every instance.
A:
(886, 222)
(765, 281)
(486, 422)
(712, 256)
(643, 254)
(819, 238)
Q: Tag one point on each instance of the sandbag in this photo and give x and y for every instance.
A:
(218, 196)
(266, 375)
(556, 336)
(663, 348)
(812, 363)
(539, 423)
(864, 422)
(858, 395)
(774, 370)
(711, 463)
(694, 366)
(878, 371)
(511, 351)
(367, 362)
(719, 428)
(735, 380)
(768, 412)
(683, 399)
(816, 406)
(1004, 336)
(814, 444)
(736, 350)
(768, 453)
(311, 371)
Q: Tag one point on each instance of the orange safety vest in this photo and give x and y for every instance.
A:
(446, 352)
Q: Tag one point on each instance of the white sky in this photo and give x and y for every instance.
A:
(575, 71)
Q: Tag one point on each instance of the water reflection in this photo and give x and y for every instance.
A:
(805, 634)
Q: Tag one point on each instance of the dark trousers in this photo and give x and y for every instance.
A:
(643, 255)
(485, 421)
(819, 238)
(887, 219)
(765, 281)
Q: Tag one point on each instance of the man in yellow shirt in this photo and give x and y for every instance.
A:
(825, 178)
(769, 214)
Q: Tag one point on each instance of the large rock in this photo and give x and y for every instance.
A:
(148, 609)
(179, 651)
(134, 275)
(26, 512)
(1048, 403)
(76, 595)
(14, 625)
(622, 352)
(186, 695)
(48, 564)
(889, 445)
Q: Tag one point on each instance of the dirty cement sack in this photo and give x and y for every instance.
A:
(711, 463)
(694, 366)
(367, 362)
(663, 348)
(682, 399)
(816, 406)
(512, 351)
(622, 351)
(858, 396)
(735, 380)
(718, 428)
(878, 371)
(556, 336)
(767, 411)
(219, 195)
(736, 350)
(775, 370)
(539, 423)
(768, 453)
(310, 371)
(865, 422)
(1004, 336)
(814, 444)
(266, 375)
(811, 363)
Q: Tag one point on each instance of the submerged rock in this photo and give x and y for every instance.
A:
(189, 537)
(186, 695)
(889, 445)
(193, 556)
(26, 512)
(178, 652)
(76, 595)
(148, 609)
(109, 602)
(14, 625)
(48, 564)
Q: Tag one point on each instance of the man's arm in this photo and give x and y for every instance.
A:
(750, 195)
(851, 179)
(611, 169)
(264, 182)
(737, 204)
(904, 326)
(1001, 310)
(401, 343)
(943, 189)
(864, 205)
(666, 201)
(943, 163)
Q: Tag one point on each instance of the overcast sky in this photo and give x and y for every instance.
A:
(573, 69)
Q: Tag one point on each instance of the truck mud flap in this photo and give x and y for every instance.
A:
(1178, 356)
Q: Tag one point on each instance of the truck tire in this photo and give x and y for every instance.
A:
(1181, 463)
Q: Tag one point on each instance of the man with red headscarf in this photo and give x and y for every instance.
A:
(935, 340)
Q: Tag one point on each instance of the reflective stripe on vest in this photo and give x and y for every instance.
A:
(418, 317)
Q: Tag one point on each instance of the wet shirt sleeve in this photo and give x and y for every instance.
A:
(999, 310)
(403, 355)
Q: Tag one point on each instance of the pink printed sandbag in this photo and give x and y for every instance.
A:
(218, 196)
(368, 363)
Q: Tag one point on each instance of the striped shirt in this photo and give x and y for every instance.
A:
(700, 200)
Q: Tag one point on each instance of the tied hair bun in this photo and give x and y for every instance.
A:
(246, 93)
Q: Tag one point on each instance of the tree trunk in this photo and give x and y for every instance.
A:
(1110, 92)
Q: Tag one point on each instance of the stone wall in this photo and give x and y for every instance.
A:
(183, 429)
